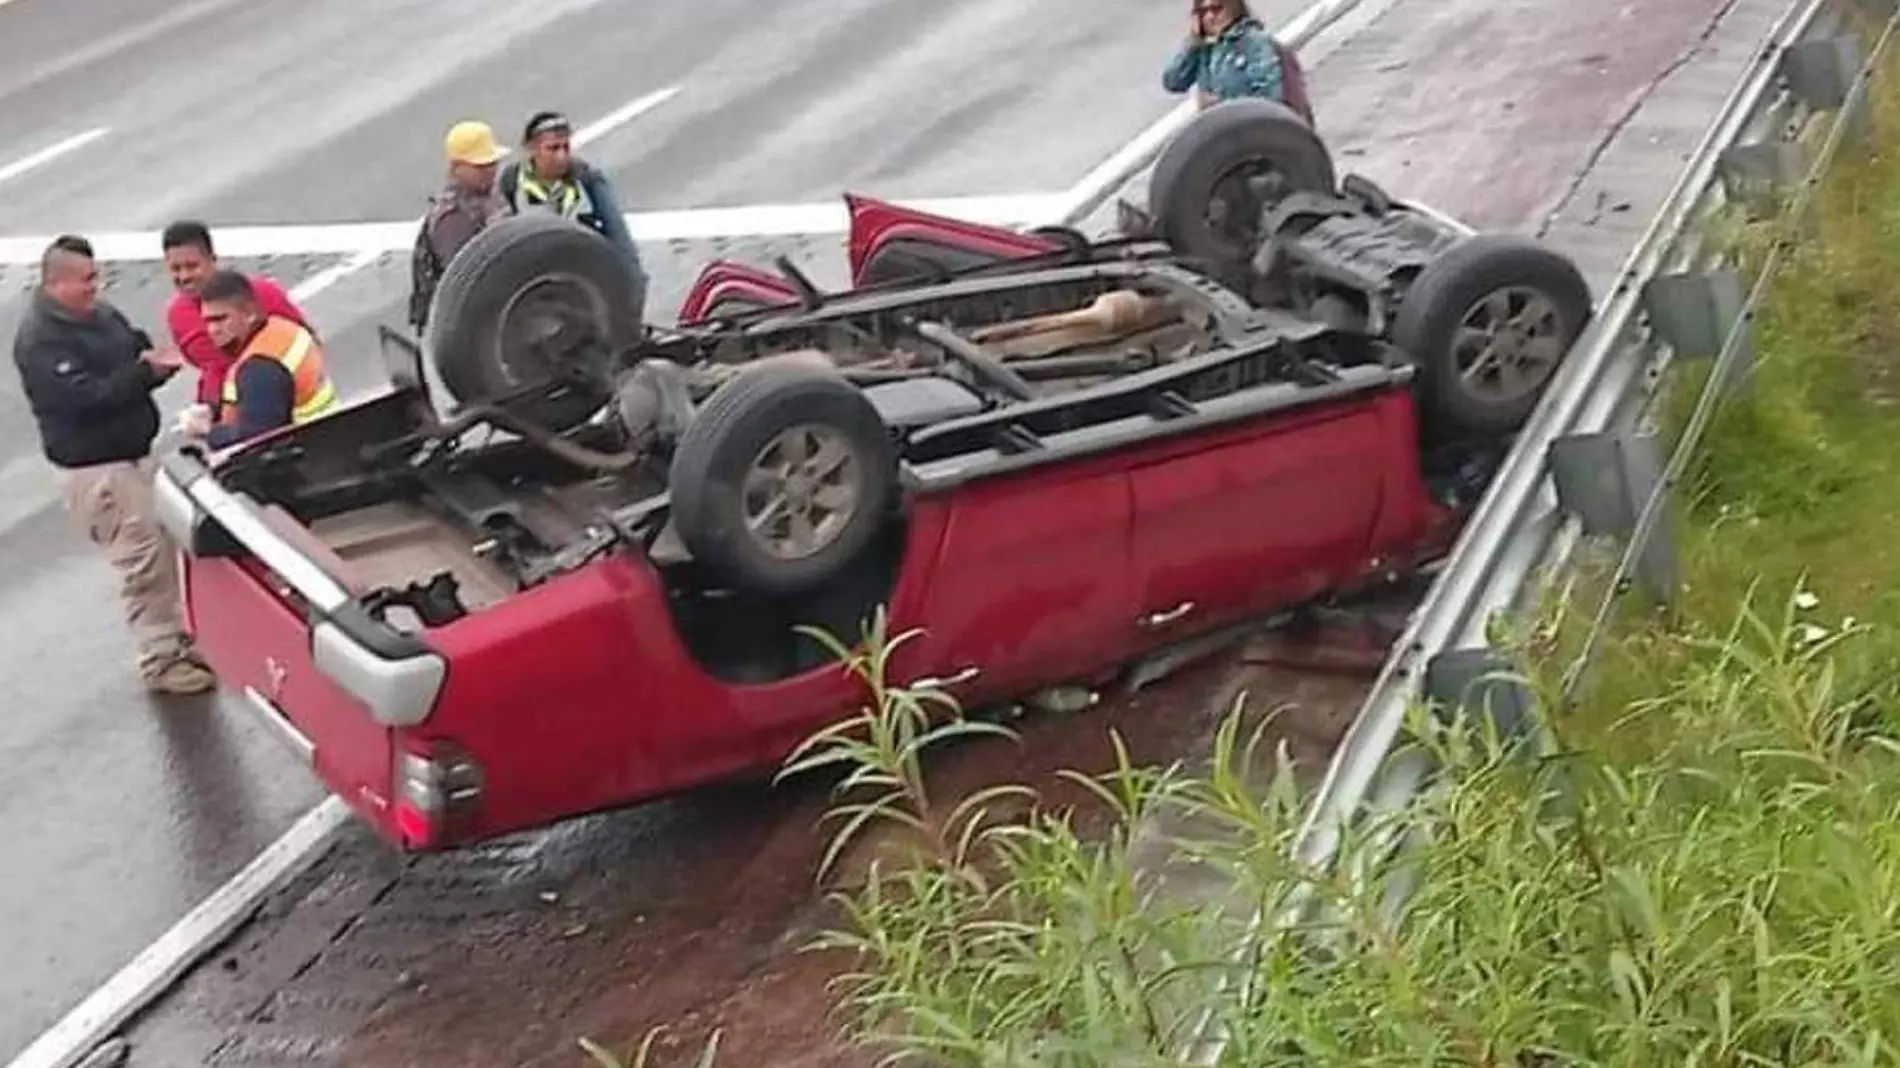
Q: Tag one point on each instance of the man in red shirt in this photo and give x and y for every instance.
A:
(190, 260)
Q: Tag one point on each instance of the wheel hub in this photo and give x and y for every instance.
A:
(547, 321)
(801, 492)
(1509, 343)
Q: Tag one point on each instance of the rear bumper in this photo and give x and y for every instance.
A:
(396, 676)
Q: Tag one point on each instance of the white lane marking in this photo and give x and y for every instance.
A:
(345, 239)
(397, 236)
(163, 962)
(51, 152)
(329, 276)
(1118, 168)
(622, 115)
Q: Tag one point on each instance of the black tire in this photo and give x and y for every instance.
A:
(479, 356)
(733, 430)
(1453, 288)
(1233, 136)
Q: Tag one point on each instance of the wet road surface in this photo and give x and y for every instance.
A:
(279, 111)
(1535, 115)
(117, 814)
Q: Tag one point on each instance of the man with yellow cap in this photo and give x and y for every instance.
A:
(464, 207)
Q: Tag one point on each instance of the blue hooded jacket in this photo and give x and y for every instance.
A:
(1240, 62)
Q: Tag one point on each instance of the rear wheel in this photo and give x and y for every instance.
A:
(785, 476)
(1223, 169)
(534, 299)
(1488, 324)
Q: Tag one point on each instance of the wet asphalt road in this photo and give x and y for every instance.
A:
(118, 814)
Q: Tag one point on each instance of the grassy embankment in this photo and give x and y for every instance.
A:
(1702, 869)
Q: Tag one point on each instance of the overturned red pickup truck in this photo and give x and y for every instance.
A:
(1053, 456)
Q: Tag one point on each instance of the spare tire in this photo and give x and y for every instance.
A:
(1199, 195)
(785, 476)
(1488, 324)
(530, 299)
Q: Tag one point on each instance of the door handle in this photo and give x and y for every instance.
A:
(1162, 619)
(961, 677)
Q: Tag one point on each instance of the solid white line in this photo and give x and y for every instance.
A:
(163, 962)
(622, 115)
(344, 239)
(1117, 169)
(50, 153)
(330, 276)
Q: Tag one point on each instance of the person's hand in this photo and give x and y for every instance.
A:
(166, 361)
(195, 421)
(1196, 35)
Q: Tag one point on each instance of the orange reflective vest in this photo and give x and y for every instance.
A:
(296, 348)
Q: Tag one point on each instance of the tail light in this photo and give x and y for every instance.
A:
(438, 793)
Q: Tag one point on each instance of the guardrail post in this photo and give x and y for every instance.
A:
(1605, 480)
(1755, 176)
(1694, 312)
(1482, 682)
(1821, 73)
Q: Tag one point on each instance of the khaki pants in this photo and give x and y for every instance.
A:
(112, 504)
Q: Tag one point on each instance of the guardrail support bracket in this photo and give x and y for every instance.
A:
(1755, 176)
(1693, 313)
(1603, 480)
(1821, 73)
(1485, 685)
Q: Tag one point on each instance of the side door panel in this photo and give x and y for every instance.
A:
(1031, 585)
(1254, 520)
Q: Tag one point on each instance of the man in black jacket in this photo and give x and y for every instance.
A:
(89, 374)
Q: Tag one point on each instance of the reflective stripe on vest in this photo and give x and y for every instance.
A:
(529, 187)
(296, 348)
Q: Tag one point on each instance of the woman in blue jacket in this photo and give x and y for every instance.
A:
(1228, 55)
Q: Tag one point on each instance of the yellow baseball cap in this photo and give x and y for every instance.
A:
(472, 142)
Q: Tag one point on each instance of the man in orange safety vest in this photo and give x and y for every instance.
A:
(278, 377)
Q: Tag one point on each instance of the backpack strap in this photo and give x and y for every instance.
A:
(510, 183)
(425, 269)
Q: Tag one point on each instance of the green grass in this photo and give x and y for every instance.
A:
(1698, 866)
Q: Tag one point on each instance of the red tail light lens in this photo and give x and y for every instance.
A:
(438, 793)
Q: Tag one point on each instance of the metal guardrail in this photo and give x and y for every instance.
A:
(1673, 298)
(1585, 465)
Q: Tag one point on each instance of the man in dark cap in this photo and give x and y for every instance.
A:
(554, 180)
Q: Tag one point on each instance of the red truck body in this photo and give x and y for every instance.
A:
(579, 694)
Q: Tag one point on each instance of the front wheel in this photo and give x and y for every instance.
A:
(783, 479)
(1487, 325)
